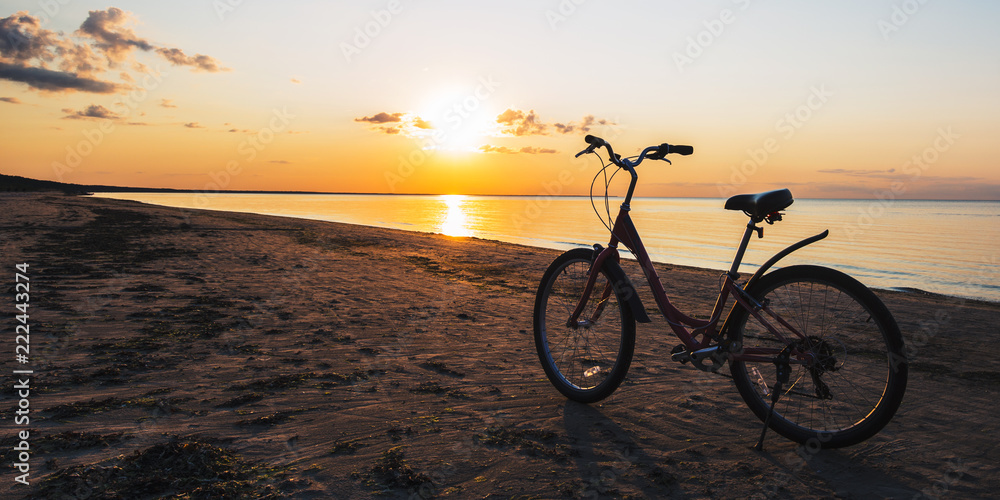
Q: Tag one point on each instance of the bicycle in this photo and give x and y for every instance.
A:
(812, 338)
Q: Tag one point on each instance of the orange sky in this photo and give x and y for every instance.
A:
(852, 100)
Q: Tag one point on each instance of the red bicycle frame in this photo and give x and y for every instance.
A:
(686, 328)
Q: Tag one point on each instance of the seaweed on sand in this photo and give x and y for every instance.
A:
(182, 469)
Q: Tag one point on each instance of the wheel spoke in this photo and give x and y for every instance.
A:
(849, 334)
(586, 362)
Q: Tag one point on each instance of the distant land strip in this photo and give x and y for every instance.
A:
(16, 183)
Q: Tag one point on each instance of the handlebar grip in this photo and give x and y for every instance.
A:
(681, 150)
(595, 141)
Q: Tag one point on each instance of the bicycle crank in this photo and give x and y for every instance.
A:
(709, 359)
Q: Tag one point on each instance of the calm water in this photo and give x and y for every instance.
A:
(948, 247)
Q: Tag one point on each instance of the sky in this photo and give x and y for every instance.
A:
(848, 99)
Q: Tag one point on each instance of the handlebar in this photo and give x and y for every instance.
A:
(652, 152)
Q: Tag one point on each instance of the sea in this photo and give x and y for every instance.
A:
(943, 247)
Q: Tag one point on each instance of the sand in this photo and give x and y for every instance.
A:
(236, 354)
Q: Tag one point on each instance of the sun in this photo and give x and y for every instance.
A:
(463, 121)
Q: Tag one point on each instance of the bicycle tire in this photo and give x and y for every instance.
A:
(859, 352)
(587, 363)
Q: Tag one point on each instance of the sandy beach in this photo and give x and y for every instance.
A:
(239, 355)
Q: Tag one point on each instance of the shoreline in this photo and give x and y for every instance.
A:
(328, 359)
(625, 255)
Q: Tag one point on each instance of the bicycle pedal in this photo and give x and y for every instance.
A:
(706, 353)
(680, 354)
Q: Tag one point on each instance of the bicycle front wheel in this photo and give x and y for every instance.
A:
(587, 361)
(855, 380)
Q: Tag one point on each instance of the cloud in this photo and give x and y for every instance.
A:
(12, 100)
(81, 60)
(515, 122)
(487, 148)
(46, 79)
(167, 103)
(53, 62)
(421, 123)
(92, 112)
(382, 117)
(27, 51)
(518, 123)
(193, 125)
(200, 62)
(281, 162)
(23, 39)
(893, 175)
(296, 80)
(564, 129)
(879, 174)
(113, 37)
(537, 151)
(585, 125)
(405, 124)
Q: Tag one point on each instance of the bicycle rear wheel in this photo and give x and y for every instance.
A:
(857, 379)
(588, 361)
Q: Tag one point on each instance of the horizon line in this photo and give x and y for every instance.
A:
(235, 191)
(96, 188)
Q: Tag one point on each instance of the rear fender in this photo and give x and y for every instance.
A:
(766, 267)
(782, 254)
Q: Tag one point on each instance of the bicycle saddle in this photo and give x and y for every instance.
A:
(760, 204)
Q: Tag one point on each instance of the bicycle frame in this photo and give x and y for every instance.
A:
(686, 328)
(832, 350)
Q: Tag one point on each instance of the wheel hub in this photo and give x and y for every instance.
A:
(822, 359)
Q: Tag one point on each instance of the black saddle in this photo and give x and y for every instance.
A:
(759, 205)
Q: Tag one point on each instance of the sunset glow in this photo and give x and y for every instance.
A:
(456, 221)
(839, 100)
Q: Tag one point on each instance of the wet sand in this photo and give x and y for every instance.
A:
(271, 356)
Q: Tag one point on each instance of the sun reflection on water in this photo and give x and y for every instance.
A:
(456, 220)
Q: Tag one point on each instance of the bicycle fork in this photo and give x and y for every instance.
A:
(601, 255)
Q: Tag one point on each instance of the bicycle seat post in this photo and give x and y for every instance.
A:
(738, 259)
